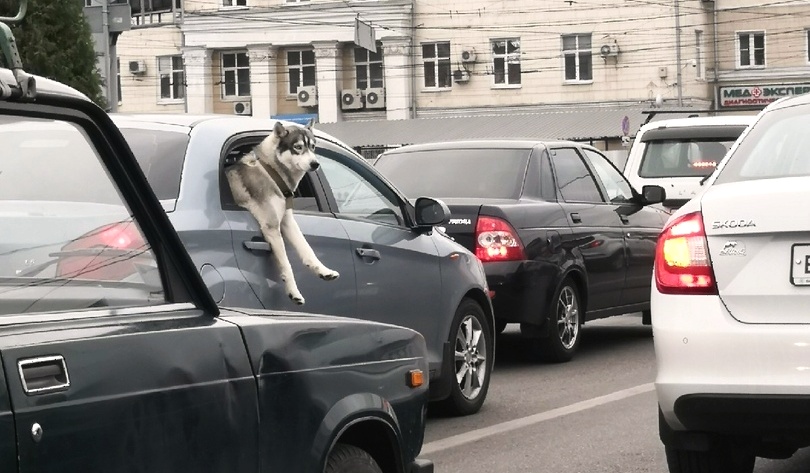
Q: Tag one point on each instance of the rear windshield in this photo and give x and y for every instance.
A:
(778, 145)
(160, 154)
(683, 157)
(447, 173)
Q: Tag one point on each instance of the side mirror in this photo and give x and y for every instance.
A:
(430, 212)
(653, 194)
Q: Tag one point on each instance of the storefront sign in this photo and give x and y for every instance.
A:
(761, 95)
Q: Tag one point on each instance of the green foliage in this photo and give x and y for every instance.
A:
(54, 41)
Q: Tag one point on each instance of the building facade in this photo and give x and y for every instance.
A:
(456, 58)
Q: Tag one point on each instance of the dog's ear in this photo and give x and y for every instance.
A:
(279, 130)
(310, 123)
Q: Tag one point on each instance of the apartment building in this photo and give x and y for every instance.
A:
(446, 69)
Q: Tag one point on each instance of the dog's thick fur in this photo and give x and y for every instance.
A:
(263, 181)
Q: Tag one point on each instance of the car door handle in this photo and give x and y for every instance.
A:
(575, 218)
(624, 218)
(43, 374)
(256, 245)
(368, 253)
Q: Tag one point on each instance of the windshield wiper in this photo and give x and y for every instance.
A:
(702, 181)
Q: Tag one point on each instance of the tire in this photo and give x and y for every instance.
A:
(565, 317)
(646, 317)
(350, 459)
(471, 338)
(718, 459)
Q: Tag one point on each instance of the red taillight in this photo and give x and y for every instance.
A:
(682, 264)
(96, 262)
(496, 240)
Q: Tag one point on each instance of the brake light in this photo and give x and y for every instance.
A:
(92, 262)
(496, 240)
(682, 264)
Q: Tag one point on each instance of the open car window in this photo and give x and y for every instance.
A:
(69, 241)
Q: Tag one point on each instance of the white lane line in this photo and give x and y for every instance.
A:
(475, 435)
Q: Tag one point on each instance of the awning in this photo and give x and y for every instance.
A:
(581, 123)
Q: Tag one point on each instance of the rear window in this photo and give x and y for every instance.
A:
(778, 145)
(683, 157)
(448, 173)
(161, 154)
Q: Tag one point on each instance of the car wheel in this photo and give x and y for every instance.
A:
(565, 317)
(350, 459)
(719, 459)
(646, 317)
(471, 339)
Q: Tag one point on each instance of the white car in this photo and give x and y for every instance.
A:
(678, 154)
(731, 304)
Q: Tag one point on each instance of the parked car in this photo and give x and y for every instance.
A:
(563, 236)
(730, 304)
(117, 359)
(679, 154)
(393, 267)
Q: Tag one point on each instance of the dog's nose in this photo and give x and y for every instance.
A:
(314, 165)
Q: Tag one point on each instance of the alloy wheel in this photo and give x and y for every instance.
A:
(470, 357)
(568, 317)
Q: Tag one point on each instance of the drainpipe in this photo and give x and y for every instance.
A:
(716, 59)
(105, 33)
(678, 50)
(412, 59)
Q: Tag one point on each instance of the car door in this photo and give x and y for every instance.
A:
(8, 447)
(597, 232)
(641, 225)
(115, 360)
(323, 232)
(397, 268)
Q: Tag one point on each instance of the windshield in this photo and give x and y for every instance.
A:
(683, 157)
(448, 173)
(160, 154)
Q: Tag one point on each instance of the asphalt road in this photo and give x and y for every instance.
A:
(594, 414)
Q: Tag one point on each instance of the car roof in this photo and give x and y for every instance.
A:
(44, 85)
(717, 120)
(478, 144)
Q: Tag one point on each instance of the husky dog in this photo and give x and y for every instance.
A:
(263, 181)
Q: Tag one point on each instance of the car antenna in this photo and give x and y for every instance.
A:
(25, 87)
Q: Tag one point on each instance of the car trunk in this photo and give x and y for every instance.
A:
(760, 252)
(464, 215)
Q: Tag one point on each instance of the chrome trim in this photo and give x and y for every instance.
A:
(35, 317)
(43, 359)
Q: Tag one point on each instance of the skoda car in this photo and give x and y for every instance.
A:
(730, 302)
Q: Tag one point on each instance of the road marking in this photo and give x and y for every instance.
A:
(475, 435)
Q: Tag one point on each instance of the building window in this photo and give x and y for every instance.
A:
(172, 77)
(369, 67)
(506, 61)
(235, 75)
(751, 49)
(578, 57)
(436, 60)
(807, 44)
(700, 66)
(234, 3)
(118, 79)
(300, 69)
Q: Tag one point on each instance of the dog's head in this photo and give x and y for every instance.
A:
(293, 147)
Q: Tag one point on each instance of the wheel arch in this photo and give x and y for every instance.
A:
(577, 275)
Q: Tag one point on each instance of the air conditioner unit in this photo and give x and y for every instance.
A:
(461, 76)
(351, 99)
(241, 108)
(137, 67)
(609, 49)
(375, 97)
(307, 96)
(468, 55)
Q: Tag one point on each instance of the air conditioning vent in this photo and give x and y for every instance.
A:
(461, 76)
(468, 55)
(241, 108)
(351, 99)
(307, 96)
(137, 67)
(609, 50)
(375, 97)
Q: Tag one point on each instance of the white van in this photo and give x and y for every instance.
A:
(677, 154)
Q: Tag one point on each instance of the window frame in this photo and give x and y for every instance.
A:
(236, 68)
(577, 53)
(437, 62)
(587, 165)
(700, 56)
(171, 74)
(506, 56)
(751, 50)
(233, 4)
(807, 45)
(300, 67)
(367, 66)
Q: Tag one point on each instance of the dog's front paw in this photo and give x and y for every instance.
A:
(329, 275)
(299, 299)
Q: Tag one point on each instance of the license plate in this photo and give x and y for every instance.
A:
(800, 265)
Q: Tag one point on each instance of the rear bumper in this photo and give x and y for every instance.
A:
(420, 465)
(760, 415)
(522, 289)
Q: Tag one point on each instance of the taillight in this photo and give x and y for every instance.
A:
(109, 253)
(496, 240)
(682, 264)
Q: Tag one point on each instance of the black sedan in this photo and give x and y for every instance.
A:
(563, 236)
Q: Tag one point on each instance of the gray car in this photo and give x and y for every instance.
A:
(393, 268)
